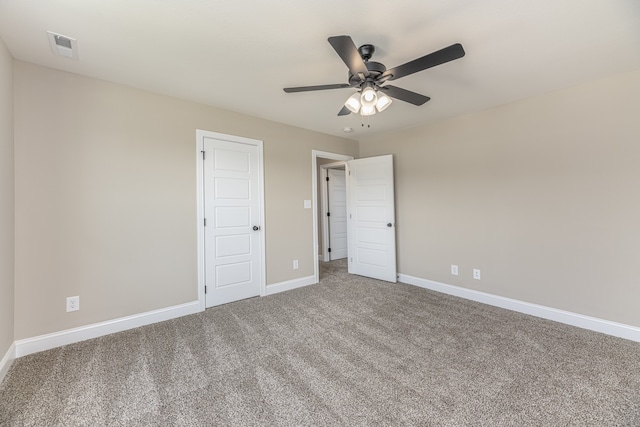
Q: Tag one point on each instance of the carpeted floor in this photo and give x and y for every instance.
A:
(348, 351)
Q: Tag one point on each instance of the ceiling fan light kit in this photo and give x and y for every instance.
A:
(368, 102)
(370, 77)
(383, 102)
(369, 96)
(368, 110)
(353, 102)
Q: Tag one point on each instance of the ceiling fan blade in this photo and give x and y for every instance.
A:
(344, 112)
(455, 51)
(320, 87)
(347, 50)
(404, 95)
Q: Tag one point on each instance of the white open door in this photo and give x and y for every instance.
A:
(372, 236)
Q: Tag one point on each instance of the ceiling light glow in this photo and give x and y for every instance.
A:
(369, 96)
(368, 110)
(383, 102)
(353, 103)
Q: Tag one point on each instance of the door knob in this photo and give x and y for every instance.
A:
(389, 224)
(256, 228)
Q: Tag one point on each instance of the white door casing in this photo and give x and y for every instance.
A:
(232, 223)
(372, 239)
(337, 195)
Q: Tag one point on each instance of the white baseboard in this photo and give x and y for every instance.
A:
(7, 360)
(290, 284)
(586, 322)
(70, 336)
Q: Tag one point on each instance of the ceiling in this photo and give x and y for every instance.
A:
(238, 55)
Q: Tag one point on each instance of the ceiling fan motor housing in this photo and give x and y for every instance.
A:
(366, 51)
(375, 70)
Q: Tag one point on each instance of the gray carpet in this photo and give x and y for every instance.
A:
(349, 351)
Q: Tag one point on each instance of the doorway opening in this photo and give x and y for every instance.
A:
(370, 208)
(322, 163)
(333, 213)
(332, 219)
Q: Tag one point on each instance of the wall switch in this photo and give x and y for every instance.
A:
(295, 264)
(454, 269)
(73, 303)
(476, 273)
(307, 204)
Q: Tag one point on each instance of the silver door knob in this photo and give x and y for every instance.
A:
(256, 227)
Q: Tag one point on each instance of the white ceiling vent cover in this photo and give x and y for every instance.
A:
(63, 45)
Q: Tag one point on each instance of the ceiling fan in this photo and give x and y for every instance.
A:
(370, 77)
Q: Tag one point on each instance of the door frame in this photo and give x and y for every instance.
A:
(315, 154)
(200, 134)
(324, 205)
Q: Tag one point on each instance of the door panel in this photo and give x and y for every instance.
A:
(229, 216)
(372, 245)
(338, 219)
(375, 236)
(230, 160)
(232, 207)
(233, 245)
(233, 274)
(372, 257)
(227, 188)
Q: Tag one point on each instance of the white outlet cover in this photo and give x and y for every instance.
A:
(307, 204)
(476, 274)
(73, 303)
(454, 269)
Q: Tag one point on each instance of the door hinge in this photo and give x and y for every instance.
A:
(328, 213)
(349, 172)
(205, 222)
(205, 289)
(329, 249)
(327, 178)
(202, 154)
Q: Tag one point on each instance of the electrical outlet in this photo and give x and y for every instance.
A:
(454, 269)
(476, 273)
(73, 303)
(295, 264)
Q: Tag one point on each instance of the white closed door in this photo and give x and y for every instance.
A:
(372, 236)
(233, 233)
(337, 193)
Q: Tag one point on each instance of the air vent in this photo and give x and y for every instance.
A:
(63, 45)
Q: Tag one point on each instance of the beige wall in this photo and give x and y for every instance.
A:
(541, 195)
(106, 197)
(6, 200)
